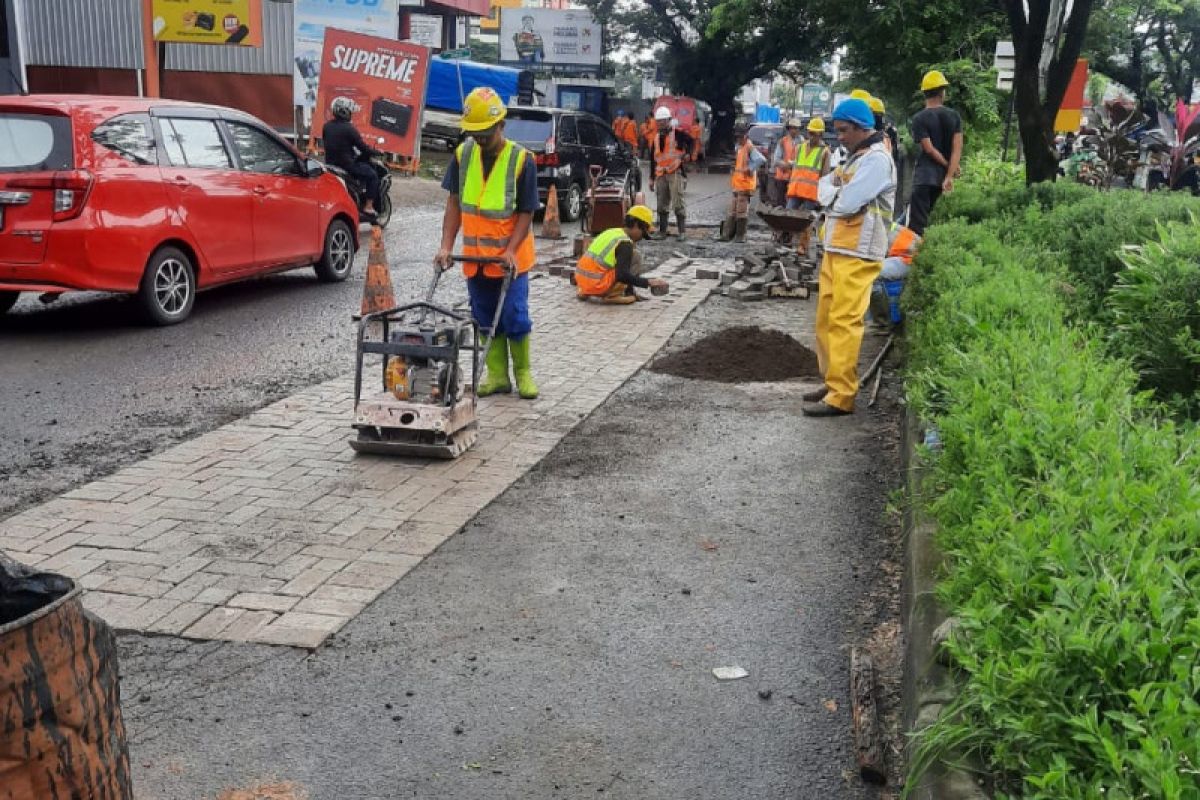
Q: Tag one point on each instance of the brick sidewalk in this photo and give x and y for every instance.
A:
(272, 530)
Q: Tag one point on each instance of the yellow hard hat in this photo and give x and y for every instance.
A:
(816, 125)
(860, 94)
(933, 79)
(482, 109)
(876, 105)
(642, 214)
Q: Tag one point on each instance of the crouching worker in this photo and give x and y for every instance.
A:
(902, 246)
(611, 268)
(493, 194)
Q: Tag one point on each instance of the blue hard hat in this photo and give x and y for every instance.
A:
(855, 111)
(620, 112)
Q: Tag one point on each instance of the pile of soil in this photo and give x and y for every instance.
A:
(741, 355)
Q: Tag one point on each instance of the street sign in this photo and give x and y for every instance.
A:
(1005, 64)
(814, 99)
(461, 53)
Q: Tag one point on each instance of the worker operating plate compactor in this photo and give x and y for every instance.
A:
(424, 407)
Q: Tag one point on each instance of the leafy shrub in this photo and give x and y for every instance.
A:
(1067, 513)
(1155, 307)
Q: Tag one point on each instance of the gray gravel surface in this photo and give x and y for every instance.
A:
(561, 645)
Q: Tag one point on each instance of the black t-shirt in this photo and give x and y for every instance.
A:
(343, 143)
(938, 125)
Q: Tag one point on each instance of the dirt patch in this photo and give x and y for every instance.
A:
(740, 355)
(266, 791)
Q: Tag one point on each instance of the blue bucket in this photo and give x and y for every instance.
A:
(893, 290)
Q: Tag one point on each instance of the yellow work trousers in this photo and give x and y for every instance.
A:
(844, 291)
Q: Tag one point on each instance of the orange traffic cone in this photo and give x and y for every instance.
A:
(377, 291)
(551, 228)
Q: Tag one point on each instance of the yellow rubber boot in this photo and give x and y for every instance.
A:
(495, 379)
(526, 387)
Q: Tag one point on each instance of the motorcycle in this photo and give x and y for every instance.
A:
(383, 212)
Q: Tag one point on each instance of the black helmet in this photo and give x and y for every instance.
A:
(342, 107)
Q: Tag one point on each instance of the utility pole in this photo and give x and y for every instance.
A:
(153, 84)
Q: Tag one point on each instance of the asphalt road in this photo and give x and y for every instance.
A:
(87, 388)
(562, 645)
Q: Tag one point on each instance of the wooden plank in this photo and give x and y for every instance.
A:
(868, 743)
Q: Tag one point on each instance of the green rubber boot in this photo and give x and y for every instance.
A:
(495, 379)
(520, 359)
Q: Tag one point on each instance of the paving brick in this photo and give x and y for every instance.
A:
(141, 587)
(247, 626)
(176, 621)
(262, 602)
(306, 582)
(300, 629)
(211, 624)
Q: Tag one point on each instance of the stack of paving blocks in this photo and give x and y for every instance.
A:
(781, 273)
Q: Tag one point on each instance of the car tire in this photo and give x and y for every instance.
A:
(337, 258)
(168, 289)
(8, 300)
(572, 203)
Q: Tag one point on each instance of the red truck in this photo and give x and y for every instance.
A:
(689, 112)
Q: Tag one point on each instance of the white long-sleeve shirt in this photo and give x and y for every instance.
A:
(874, 175)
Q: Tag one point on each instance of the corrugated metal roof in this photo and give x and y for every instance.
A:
(83, 33)
(273, 58)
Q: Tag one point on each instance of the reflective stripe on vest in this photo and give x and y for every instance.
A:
(864, 235)
(489, 207)
(807, 172)
(596, 271)
(789, 157)
(743, 178)
(670, 159)
(902, 243)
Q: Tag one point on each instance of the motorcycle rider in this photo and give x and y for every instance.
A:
(345, 149)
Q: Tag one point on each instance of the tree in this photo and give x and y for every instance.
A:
(712, 48)
(1047, 39)
(890, 45)
(1152, 47)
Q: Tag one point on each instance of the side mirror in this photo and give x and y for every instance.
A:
(314, 168)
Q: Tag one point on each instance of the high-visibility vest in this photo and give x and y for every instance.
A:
(489, 207)
(902, 243)
(744, 178)
(865, 234)
(806, 173)
(782, 173)
(596, 272)
(619, 126)
(696, 133)
(629, 133)
(668, 159)
(648, 130)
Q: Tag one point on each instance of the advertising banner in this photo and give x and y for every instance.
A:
(1070, 113)
(233, 22)
(371, 17)
(386, 81)
(533, 36)
(491, 23)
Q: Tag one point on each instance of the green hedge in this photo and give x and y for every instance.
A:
(1068, 510)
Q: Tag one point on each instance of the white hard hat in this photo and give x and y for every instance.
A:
(662, 112)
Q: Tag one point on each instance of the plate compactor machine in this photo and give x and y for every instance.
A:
(424, 407)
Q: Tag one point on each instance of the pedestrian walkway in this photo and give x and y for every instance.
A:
(271, 530)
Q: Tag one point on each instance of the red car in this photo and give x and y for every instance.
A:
(158, 198)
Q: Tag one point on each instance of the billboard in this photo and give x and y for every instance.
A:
(233, 22)
(385, 79)
(371, 17)
(533, 36)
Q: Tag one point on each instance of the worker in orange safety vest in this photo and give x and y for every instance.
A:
(492, 185)
(670, 148)
(783, 157)
(744, 182)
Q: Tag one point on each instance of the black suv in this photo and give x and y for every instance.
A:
(565, 144)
